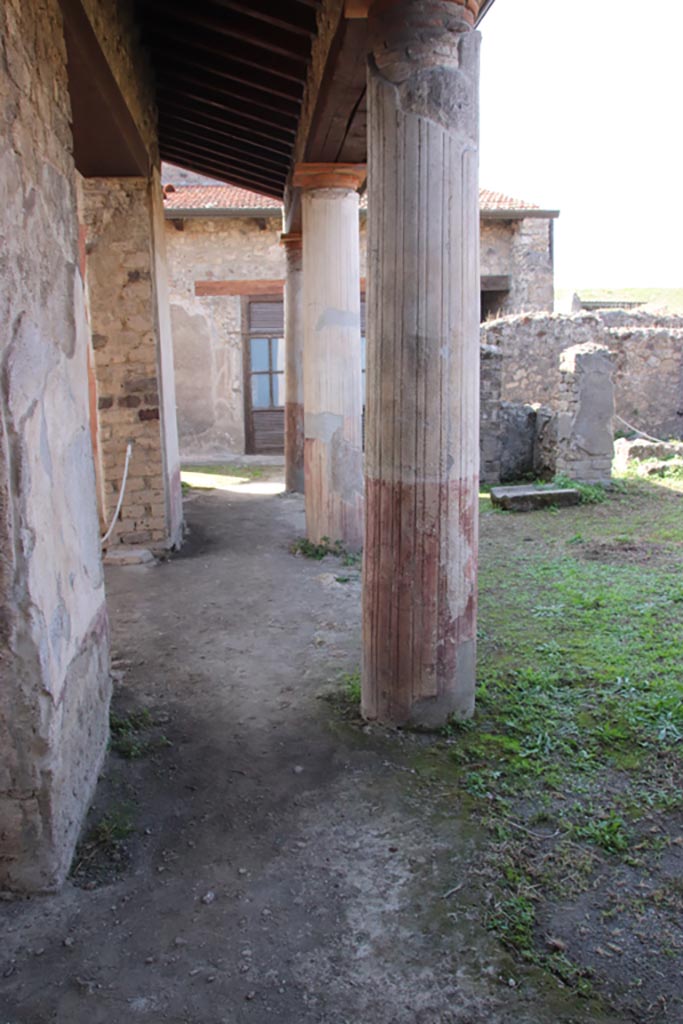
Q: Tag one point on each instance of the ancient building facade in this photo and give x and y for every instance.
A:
(224, 253)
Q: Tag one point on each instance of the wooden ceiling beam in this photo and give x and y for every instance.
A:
(212, 146)
(207, 16)
(253, 150)
(338, 128)
(208, 42)
(256, 180)
(217, 87)
(299, 20)
(219, 103)
(198, 164)
(200, 115)
(227, 66)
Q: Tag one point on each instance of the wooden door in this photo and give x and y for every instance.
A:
(264, 361)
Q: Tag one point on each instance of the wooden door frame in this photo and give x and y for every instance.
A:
(245, 302)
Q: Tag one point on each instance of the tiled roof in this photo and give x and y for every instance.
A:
(489, 200)
(216, 197)
(228, 197)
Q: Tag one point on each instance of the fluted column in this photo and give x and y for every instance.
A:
(332, 358)
(294, 369)
(422, 417)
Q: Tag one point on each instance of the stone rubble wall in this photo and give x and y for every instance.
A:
(126, 338)
(647, 349)
(490, 426)
(54, 652)
(520, 249)
(575, 438)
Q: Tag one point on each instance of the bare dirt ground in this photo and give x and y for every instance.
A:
(254, 855)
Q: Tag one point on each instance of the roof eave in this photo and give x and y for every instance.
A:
(208, 214)
(519, 214)
(484, 9)
(237, 213)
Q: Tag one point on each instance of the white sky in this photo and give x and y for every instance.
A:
(582, 111)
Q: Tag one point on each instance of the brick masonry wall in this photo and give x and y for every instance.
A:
(647, 351)
(54, 654)
(122, 286)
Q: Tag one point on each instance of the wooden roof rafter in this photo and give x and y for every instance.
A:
(230, 78)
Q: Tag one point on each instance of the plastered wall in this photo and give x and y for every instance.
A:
(54, 659)
(207, 330)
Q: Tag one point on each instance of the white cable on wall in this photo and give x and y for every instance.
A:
(647, 437)
(129, 451)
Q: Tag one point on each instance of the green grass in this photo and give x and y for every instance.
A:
(112, 829)
(351, 683)
(669, 299)
(131, 736)
(589, 494)
(308, 549)
(226, 469)
(577, 739)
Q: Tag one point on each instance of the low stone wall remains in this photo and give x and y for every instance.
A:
(647, 350)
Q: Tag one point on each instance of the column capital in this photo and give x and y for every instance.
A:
(348, 177)
(356, 8)
(293, 240)
(469, 9)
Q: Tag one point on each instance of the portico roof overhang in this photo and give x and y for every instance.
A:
(246, 88)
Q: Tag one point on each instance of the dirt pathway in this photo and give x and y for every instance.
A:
(283, 866)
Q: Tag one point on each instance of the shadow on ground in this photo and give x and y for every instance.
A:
(254, 854)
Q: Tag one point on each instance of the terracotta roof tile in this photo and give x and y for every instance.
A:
(489, 200)
(216, 197)
(228, 197)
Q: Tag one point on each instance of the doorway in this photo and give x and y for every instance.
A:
(264, 362)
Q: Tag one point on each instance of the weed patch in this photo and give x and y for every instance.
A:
(103, 851)
(307, 549)
(133, 736)
(589, 494)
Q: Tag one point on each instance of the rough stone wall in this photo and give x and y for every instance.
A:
(208, 330)
(520, 249)
(54, 662)
(490, 414)
(531, 344)
(647, 351)
(648, 355)
(531, 266)
(585, 410)
(128, 346)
